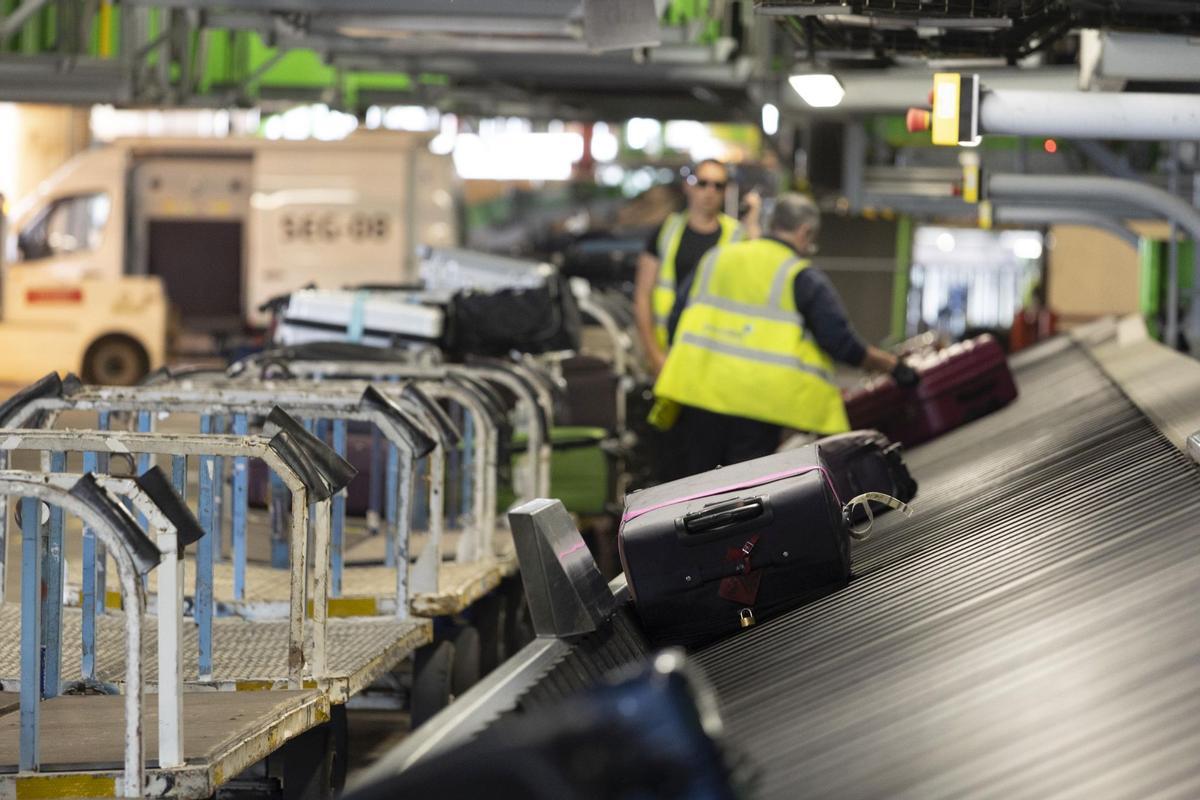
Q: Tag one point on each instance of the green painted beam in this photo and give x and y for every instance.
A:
(1153, 266)
(900, 278)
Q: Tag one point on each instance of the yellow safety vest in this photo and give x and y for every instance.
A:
(741, 348)
(662, 301)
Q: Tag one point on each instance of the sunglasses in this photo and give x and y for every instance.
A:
(703, 184)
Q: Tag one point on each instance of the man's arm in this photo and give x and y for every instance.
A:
(825, 317)
(643, 312)
(751, 220)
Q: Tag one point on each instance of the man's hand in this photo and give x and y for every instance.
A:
(657, 358)
(904, 375)
(877, 360)
(753, 203)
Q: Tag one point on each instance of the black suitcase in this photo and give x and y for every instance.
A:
(495, 323)
(604, 260)
(867, 461)
(718, 551)
(591, 392)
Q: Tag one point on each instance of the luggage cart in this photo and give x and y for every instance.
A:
(484, 555)
(413, 432)
(97, 742)
(520, 379)
(438, 586)
(238, 654)
(477, 590)
(479, 541)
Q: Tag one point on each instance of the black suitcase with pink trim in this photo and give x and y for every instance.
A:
(716, 552)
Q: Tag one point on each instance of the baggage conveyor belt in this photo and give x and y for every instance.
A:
(1030, 631)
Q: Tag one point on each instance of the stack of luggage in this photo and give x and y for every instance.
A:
(466, 303)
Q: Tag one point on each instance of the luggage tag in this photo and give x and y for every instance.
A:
(865, 499)
(743, 587)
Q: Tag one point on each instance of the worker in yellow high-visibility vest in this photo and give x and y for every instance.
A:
(676, 247)
(755, 347)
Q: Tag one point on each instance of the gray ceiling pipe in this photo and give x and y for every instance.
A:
(1054, 215)
(1086, 189)
(1090, 115)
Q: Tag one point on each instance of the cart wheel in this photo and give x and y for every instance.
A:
(115, 361)
(431, 683)
(489, 621)
(465, 673)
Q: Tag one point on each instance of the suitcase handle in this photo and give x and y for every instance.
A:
(723, 515)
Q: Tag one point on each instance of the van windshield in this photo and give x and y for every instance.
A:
(67, 225)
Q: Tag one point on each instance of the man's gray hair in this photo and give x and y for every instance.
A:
(793, 210)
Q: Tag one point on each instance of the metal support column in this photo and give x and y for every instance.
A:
(31, 626)
(205, 556)
(337, 543)
(53, 567)
(240, 502)
(88, 590)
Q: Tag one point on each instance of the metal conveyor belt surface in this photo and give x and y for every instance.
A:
(1031, 631)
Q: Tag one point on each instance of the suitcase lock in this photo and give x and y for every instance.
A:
(746, 618)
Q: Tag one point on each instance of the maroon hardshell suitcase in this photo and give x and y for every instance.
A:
(715, 552)
(961, 383)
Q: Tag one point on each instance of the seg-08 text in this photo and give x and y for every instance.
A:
(332, 226)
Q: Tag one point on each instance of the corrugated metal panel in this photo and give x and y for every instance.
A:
(1032, 631)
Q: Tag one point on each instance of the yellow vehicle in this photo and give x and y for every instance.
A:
(203, 232)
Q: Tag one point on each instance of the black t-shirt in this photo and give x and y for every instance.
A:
(692, 247)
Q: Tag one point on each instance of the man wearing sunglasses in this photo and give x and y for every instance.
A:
(672, 253)
(755, 347)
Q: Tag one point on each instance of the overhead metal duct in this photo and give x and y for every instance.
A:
(1112, 59)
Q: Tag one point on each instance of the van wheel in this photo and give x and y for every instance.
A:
(115, 361)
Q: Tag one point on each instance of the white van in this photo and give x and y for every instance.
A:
(210, 229)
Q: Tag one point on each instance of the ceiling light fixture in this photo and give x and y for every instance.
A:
(770, 119)
(818, 90)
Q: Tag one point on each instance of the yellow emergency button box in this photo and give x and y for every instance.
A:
(955, 109)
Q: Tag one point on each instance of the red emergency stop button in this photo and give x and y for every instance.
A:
(918, 120)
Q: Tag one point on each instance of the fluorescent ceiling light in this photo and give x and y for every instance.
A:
(819, 91)
(770, 119)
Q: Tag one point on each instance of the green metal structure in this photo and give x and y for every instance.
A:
(1154, 268)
